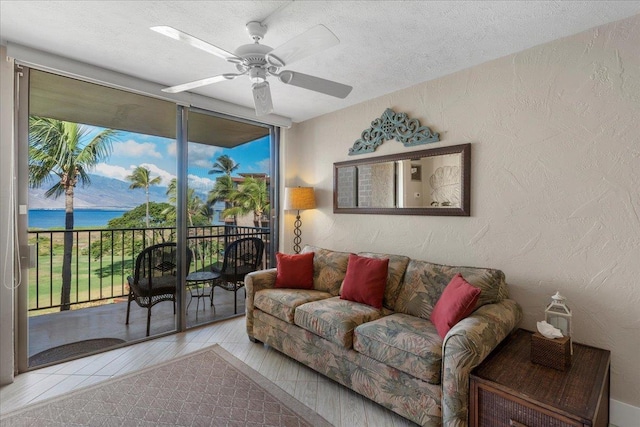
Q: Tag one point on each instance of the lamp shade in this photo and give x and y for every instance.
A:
(299, 198)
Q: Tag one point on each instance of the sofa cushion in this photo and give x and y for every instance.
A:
(365, 281)
(294, 271)
(329, 268)
(397, 267)
(424, 282)
(282, 303)
(335, 319)
(407, 343)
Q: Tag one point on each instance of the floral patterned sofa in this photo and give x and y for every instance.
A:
(392, 356)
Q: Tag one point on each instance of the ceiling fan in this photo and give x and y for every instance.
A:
(259, 61)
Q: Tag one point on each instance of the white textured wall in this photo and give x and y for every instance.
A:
(555, 182)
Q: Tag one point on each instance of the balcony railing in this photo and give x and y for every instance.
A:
(103, 258)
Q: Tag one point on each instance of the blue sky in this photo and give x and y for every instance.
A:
(158, 154)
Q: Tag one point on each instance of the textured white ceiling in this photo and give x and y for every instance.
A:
(385, 45)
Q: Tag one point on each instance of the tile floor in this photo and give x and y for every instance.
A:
(337, 404)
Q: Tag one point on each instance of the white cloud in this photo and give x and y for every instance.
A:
(200, 183)
(111, 171)
(201, 155)
(156, 171)
(260, 167)
(201, 163)
(132, 148)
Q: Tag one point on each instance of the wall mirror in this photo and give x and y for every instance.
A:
(426, 182)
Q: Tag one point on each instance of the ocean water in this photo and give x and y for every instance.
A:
(54, 218)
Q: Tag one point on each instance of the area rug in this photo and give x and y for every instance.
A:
(209, 387)
(73, 349)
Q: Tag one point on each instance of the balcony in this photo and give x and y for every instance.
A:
(101, 261)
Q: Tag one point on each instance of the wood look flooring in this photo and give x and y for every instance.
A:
(339, 405)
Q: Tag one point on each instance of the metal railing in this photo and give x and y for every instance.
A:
(102, 259)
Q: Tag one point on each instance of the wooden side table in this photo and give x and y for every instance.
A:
(507, 389)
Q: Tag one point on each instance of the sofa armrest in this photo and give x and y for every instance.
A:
(465, 346)
(253, 282)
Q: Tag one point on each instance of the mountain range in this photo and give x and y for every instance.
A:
(102, 193)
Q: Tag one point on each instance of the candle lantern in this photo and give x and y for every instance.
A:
(558, 314)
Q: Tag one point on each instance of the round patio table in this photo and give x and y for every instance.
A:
(196, 284)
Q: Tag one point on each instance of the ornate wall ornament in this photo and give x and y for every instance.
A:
(392, 125)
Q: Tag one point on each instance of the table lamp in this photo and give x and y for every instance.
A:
(298, 198)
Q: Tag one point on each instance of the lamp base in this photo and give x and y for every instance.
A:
(297, 233)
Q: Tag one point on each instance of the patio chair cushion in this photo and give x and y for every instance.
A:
(159, 285)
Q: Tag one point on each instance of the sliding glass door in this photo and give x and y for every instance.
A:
(98, 165)
(108, 176)
(228, 195)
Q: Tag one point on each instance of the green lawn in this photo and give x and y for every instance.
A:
(89, 279)
(92, 278)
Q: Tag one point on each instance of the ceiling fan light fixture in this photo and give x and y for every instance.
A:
(257, 75)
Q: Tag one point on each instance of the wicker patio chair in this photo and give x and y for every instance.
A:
(240, 258)
(155, 278)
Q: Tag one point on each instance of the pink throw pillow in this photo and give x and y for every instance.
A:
(456, 302)
(294, 271)
(365, 280)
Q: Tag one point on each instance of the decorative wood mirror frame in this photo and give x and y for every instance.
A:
(354, 180)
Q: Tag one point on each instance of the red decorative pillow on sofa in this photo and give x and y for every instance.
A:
(294, 271)
(365, 280)
(456, 302)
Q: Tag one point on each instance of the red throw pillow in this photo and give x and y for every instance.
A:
(365, 280)
(456, 302)
(294, 271)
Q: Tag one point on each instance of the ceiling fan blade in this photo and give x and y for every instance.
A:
(196, 42)
(305, 81)
(262, 98)
(198, 83)
(312, 41)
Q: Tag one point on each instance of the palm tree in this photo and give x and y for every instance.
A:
(224, 164)
(63, 152)
(194, 203)
(223, 191)
(208, 212)
(141, 178)
(252, 196)
(194, 206)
